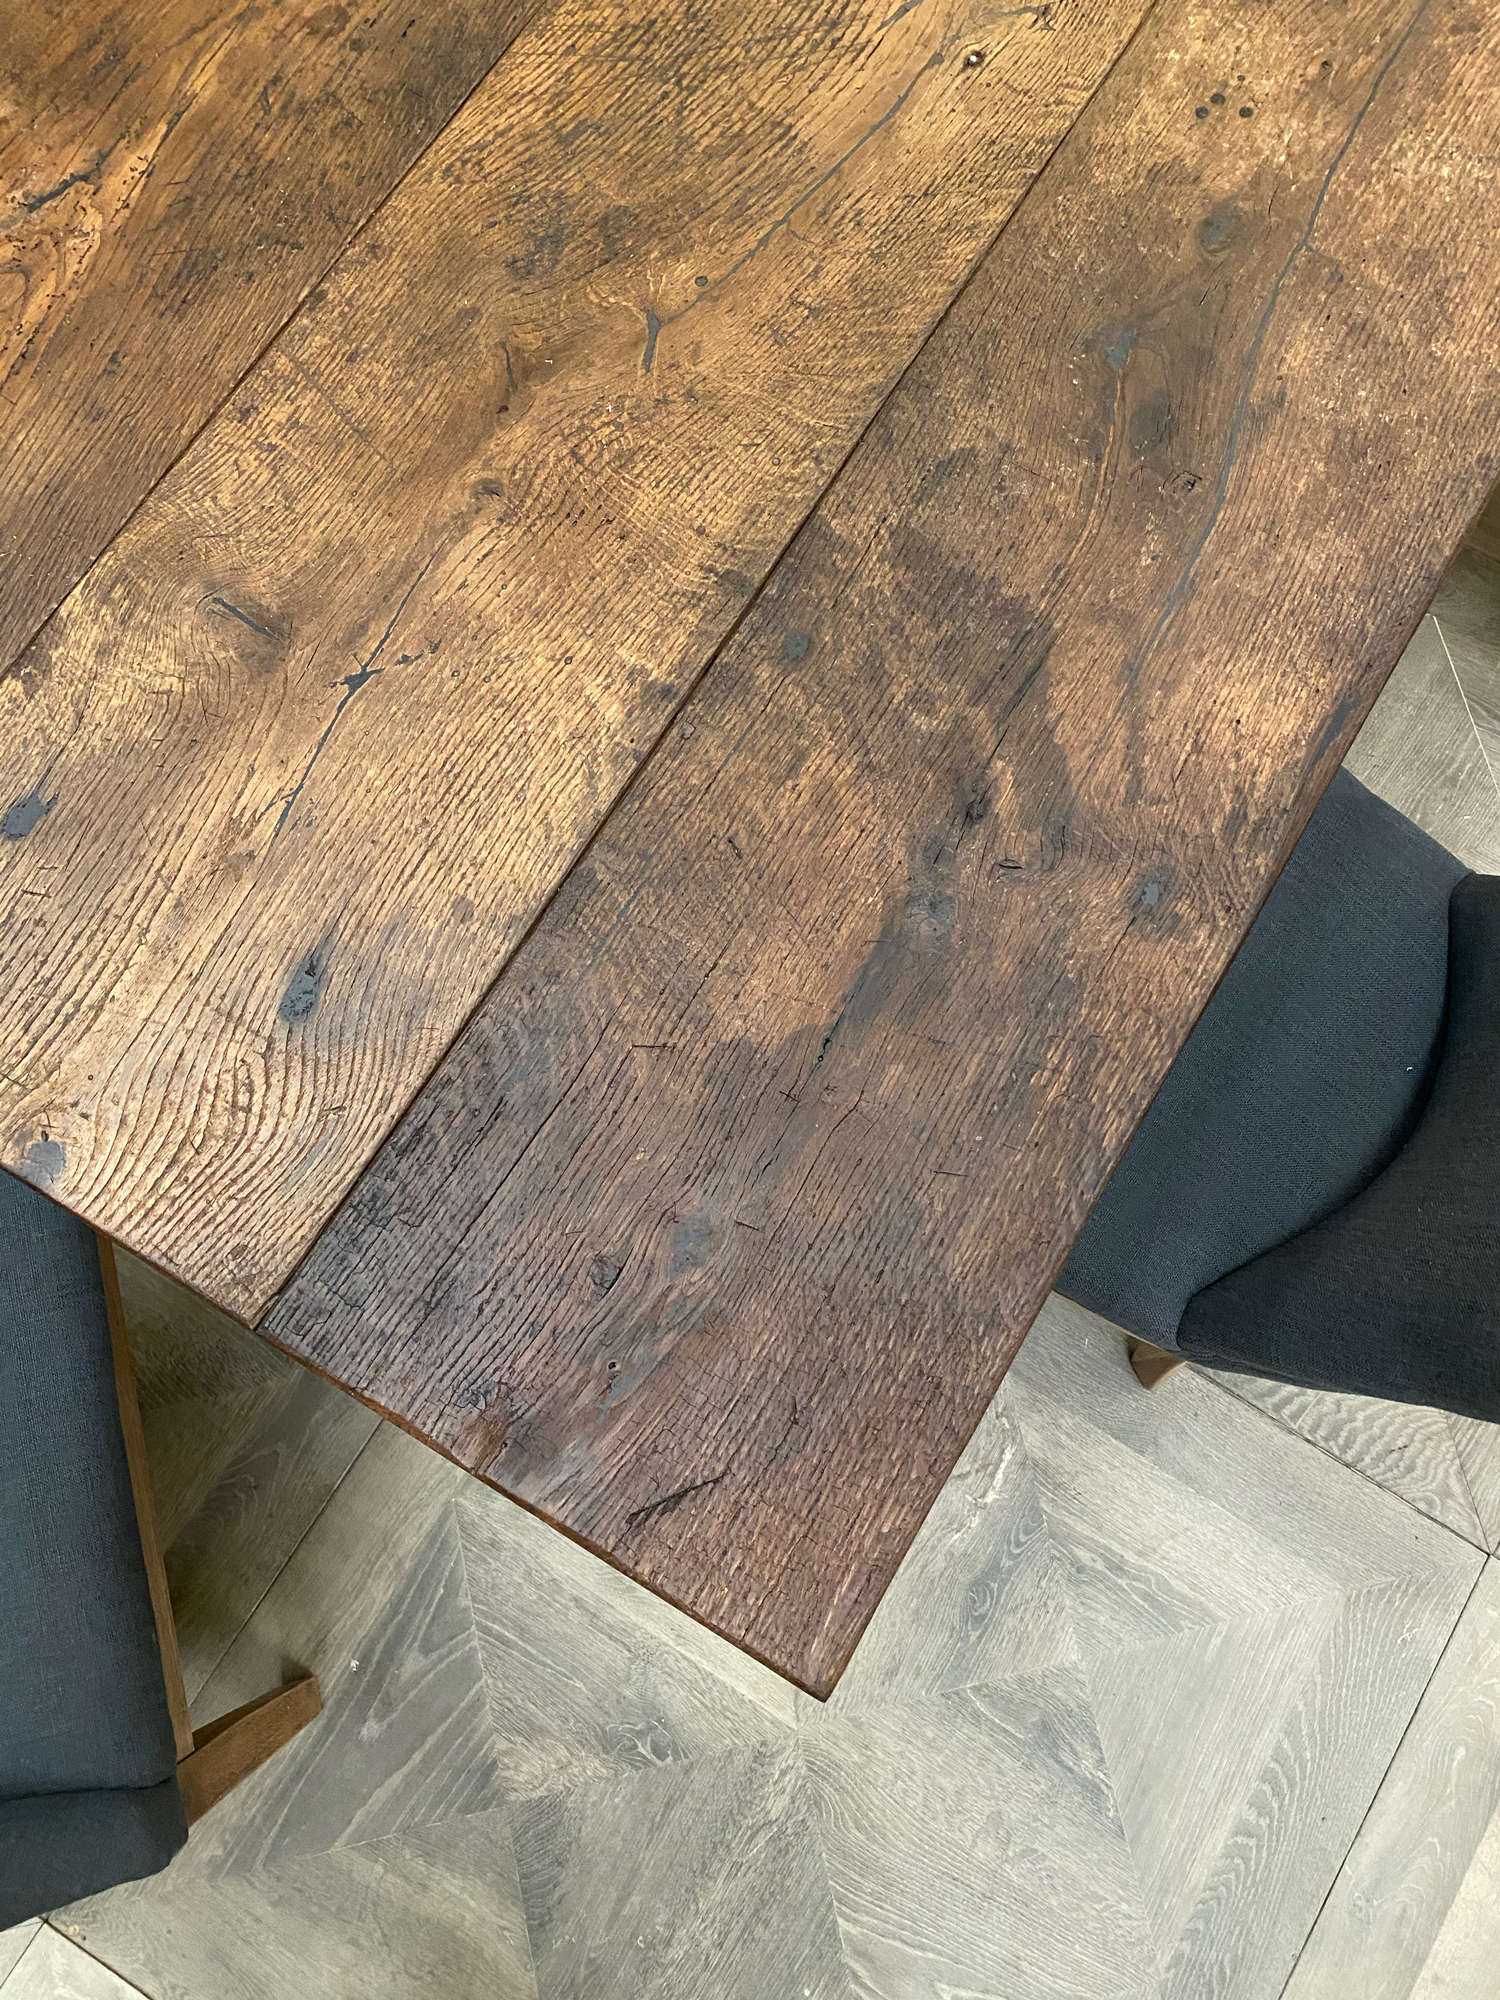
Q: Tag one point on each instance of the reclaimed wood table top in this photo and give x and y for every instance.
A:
(641, 706)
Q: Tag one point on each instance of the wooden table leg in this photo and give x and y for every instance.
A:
(1152, 1364)
(212, 1760)
(226, 1751)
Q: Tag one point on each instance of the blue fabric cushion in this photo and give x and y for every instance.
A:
(85, 1706)
(1302, 1080)
(1397, 1293)
(64, 1845)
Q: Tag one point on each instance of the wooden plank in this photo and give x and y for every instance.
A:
(1467, 609)
(54, 1968)
(293, 769)
(224, 1753)
(716, 1232)
(1479, 1455)
(1414, 1904)
(145, 1503)
(1110, 1735)
(174, 179)
(1421, 752)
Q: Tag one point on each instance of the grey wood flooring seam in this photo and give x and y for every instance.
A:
(54, 1967)
(1479, 1454)
(246, 1448)
(13, 1943)
(1389, 1914)
(1487, 747)
(1420, 751)
(208, 1566)
(1376, 1440)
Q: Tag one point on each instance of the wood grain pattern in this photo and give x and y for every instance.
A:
(1396, 1910)
(715, 1234)
(1420, 750)
(13, 1943)
(1242, 1631)
(265, 1496)
(437, 1908)
(1462, 1962)
(1479, 1455)
(1467, 609)
(292, 770)
(1410, 1451)
(1234, 1601)
(54, 1968)
(646, 1690)
(174, 179)
(696, 1900)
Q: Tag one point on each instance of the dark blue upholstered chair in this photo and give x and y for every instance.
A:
(1313, 1194)
(89, 1756)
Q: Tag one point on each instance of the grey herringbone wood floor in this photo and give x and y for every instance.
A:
(1190, 1694)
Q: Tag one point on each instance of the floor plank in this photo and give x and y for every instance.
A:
(1421, 752)
(13, 1942)
(943, 1821)
(1467, 609)
(1464, 1953)
(174, 180)
(753, 1168)
(435, 1911)
(408, 1743)
(1409, 1451)
(1111, 1732)
(507, 479)
(1479, 1455)
(1281, 1677)
(247, 1526)
(641, 1692)
(724, 1893)
(1414, 1913)
(369, 1856)
(54, 1968)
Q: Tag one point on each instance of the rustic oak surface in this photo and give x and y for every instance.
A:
(292, 770)
(716, 1231)
(173, 179)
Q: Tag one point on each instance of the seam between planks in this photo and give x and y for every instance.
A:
(691, 688)
(1333, 1880)
(314, 281)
